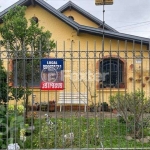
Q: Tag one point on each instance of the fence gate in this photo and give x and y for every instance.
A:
(79, 96)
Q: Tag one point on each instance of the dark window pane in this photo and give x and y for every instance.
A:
(26, 72)
(111, 72)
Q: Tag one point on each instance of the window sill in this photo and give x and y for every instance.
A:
(111, 89)
(30, 87)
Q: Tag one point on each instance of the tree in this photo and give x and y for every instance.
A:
(21, 37)
(26, 43)
(3, 84)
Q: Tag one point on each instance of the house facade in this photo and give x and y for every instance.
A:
(99, 63)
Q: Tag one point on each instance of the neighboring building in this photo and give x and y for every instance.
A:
(122, 64)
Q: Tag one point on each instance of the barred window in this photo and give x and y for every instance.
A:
(26, 72)
(111, 72)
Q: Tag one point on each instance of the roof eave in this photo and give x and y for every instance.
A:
(20, 3)
(45, 6)
(85, 13)
(119, 36)
(58, 14)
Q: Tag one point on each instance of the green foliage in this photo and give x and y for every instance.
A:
(15, 121)
(131, 107)
(26, 43)
(7, 92)
(52, 136)
(2, 126)
(88, 132)
(3, 84)
(19, 35)
(10, 121)
(16, 93)
(14, 27)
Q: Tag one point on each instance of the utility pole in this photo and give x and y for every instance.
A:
(103, 2)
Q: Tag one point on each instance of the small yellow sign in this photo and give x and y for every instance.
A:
(103, 2)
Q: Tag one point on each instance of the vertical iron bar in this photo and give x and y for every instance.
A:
(118, 91)
(87, 77)
(56, 97)
(71, 87)
(134, 88)
(141, 71)
(40, 118)
(32, 105)
(126, 81)
(7, 121)
(79, 82)
(110, 105)
(93, 79)
(63, 125)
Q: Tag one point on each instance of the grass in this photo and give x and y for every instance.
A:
(88, 133)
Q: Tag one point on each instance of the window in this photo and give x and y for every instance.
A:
(111, 73)
(71, 17)
(35, 19)
(26, 72)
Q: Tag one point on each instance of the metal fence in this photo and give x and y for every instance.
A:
(97, 99)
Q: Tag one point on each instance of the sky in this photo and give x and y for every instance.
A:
(126, 16)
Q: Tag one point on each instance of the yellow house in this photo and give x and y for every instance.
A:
(119, 64)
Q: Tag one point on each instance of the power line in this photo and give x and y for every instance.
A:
(133, 24)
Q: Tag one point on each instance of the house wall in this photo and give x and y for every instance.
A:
(89, 48)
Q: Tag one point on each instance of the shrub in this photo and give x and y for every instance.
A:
(3, 129)
(19, 110)
(3, 84)
(131, 106)
(50, 136)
